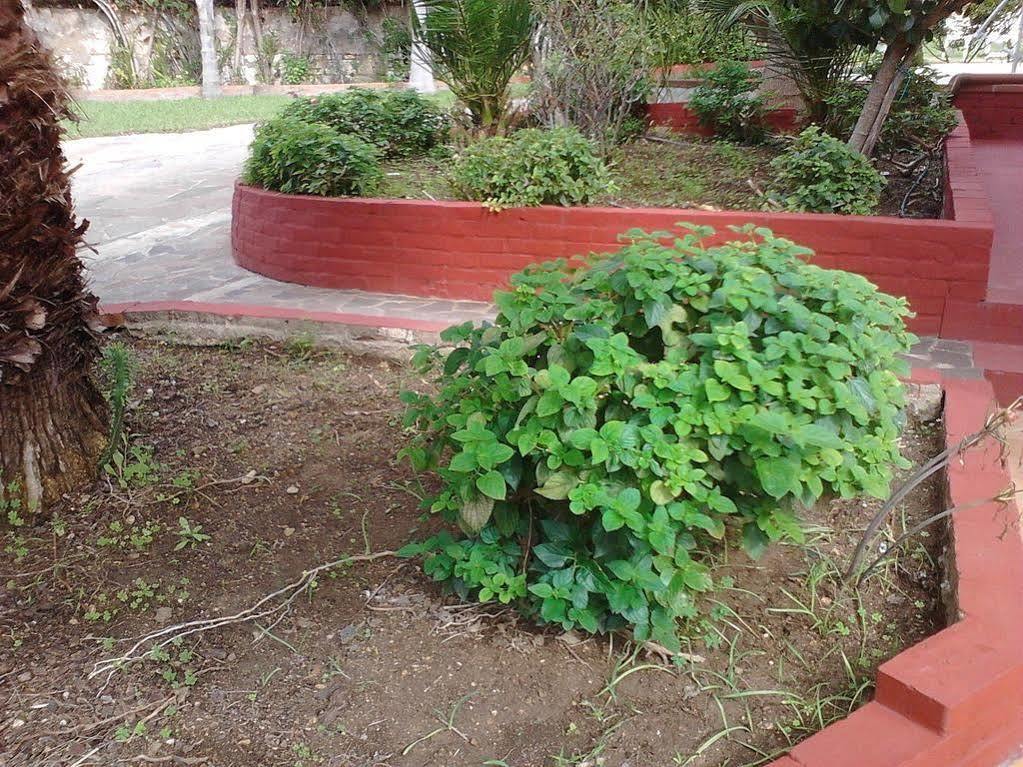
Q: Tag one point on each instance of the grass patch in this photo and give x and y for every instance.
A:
(118, 118)
(115, 118)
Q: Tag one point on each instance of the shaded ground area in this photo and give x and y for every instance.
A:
(246, 465)
(668, 170)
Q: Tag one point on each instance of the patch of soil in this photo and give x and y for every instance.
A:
(916, 184)
(670, 170)
(285, 458)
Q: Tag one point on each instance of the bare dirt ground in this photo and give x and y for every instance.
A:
(247, 465)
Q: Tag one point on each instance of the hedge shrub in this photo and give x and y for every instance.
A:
(820, 174)
(295, 157)
(727, 102)
(397, 123)
(532, 167)
(628, 418)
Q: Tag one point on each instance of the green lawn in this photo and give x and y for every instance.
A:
(114, 118)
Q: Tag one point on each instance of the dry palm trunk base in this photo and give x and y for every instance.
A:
(51, 416)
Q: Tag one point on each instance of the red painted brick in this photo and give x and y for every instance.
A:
(457, 246)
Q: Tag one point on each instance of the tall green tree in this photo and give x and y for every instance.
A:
(52, 418)
(903, 26)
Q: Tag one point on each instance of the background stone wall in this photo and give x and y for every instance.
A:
(341, 46)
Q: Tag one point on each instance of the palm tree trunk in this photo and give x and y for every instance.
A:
(51, 416)
(208, 43)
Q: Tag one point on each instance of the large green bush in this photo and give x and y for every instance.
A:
(820, 174)
(295, 157)
(397, 123)
(626, 421)
(532, 167)
(727, 102)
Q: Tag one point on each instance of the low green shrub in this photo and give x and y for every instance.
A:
(727, 102)
(397, 123)
(820, 174)
(921, 114)
(532, 167)
(295, 157)
(630, 418)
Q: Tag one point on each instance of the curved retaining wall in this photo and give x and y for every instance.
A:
(460, 250)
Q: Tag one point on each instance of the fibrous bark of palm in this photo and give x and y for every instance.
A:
(51, 415)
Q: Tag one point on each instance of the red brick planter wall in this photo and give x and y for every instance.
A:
(460, 250)
(992, 104)
(679, 117)
(955, 699)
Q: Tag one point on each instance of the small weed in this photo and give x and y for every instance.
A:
(189, 534)
(124, 733)
(300, 348)
(138, 595)
(184, 484)
(134, 469)
(176, 664)
(130, 534)
(306, 755)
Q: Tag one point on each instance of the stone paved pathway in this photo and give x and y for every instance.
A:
(160, 213)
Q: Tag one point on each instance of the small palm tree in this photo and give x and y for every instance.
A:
(816, 42)
(476, 47)
(52, 419)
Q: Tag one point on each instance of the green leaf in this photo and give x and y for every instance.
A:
(550, 402)
(776, 475)
(464, 462)
(611, 520)
(476, 513)
(715, 391)
(542, 590)
(558, 485)
(492, 485)
(551, 554)
(754, 542)
(660, 493)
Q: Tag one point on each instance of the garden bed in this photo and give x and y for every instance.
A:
(669, 170)
(285, 457)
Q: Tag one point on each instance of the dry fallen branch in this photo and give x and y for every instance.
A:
(1004, 498)
(271, 604)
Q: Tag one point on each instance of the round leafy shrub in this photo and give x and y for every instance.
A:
(532, 167)
(630, 417)
(397, 123)
(727, 102)
(296, 157)
(820, 174)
